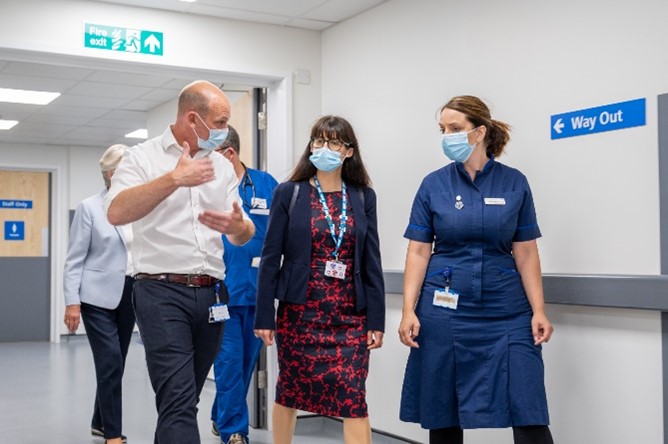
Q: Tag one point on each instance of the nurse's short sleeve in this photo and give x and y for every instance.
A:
(420, 226)
(527, 224)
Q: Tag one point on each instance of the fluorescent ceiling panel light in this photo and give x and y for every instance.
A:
(27, 96)
(188, 1)
(138, 134)
(7, 124)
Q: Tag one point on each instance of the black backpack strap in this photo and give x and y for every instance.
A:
(295, 192)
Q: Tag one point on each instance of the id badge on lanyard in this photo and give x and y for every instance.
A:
(445, 297)
(218, 312)
(334, 268)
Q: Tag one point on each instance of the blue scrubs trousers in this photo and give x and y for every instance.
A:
(233, 369)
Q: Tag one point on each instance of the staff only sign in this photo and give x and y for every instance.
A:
(599, 119)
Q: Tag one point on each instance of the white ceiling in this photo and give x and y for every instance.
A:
(98, 107)
(308, 14)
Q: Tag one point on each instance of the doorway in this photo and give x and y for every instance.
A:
(25, 259)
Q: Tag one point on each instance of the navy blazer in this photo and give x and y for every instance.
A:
(289, 237)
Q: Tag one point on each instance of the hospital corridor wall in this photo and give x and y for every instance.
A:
(598, 196)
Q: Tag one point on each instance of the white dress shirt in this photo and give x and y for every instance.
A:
(126, 231)
(170, 239)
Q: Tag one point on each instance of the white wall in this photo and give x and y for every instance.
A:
(390, 69)
(84, 178)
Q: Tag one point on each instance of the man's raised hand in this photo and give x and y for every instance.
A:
(191, 172)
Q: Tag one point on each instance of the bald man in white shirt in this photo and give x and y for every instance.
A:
(180, 195)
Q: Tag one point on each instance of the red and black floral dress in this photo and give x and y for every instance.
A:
(322, 356)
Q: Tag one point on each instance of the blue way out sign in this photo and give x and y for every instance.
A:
(599, 119)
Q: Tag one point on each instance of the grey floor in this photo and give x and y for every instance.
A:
(47, 392)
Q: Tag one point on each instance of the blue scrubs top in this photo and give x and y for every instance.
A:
(256, 189)
(476, 365)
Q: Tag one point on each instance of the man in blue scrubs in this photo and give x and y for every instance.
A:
(240, 348)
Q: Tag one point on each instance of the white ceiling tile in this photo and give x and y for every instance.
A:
(82, 111)
(41, 128)
(121, 114)
(287, 8)
(339, 10)
(109, 90)
(35, 83)
(316, 25)
(241, 14)
(170, 5)
(129, 125)
(57, 119)
(17, 111)
(177, 84)
(92, 131)
(141, 105)
(127, 78)
(43, 70)
(90, 101)
(161, 95)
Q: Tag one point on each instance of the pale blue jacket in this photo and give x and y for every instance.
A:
(96, 258)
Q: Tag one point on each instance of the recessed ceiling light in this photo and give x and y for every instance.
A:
(7, 124)
(188, 1)
(27, 96)
(138, 134)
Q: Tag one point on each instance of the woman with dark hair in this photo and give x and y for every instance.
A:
(474, 313)
(329, 284)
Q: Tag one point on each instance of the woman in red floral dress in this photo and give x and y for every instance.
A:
(321, 260)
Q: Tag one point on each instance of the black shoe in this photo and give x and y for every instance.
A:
(214, 428)
(237, 438)
(99, 431)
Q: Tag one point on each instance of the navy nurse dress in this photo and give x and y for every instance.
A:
(477, 366)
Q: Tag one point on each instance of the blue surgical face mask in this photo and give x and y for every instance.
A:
(456, 145)
(325, 159)
(216, 137)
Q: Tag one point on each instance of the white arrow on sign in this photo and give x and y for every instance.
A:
(152, 42)
(558, 126)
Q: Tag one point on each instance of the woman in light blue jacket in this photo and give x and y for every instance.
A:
(98, 290)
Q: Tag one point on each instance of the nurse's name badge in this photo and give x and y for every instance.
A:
(458, 202)
(495, 201)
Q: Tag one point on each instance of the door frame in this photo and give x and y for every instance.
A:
(279, 143)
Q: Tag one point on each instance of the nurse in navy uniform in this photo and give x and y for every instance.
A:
(473, 311)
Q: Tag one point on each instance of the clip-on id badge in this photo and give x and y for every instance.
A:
(446, 298)
(335, 269)
(218, 312)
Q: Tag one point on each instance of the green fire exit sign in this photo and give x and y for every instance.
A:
(114, 38)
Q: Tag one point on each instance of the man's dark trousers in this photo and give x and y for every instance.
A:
(180, 345)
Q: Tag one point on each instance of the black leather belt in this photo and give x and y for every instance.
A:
(189, 280)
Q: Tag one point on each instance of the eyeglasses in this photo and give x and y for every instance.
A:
(335, 144)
